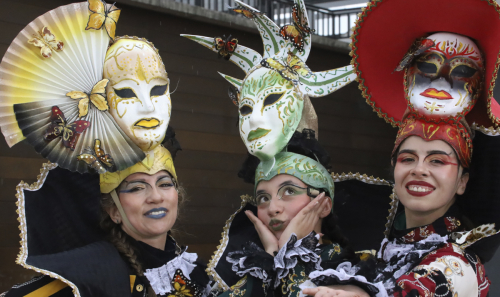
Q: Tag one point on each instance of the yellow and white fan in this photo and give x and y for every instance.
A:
(52, 93)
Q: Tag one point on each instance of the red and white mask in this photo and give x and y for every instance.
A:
(445, 80)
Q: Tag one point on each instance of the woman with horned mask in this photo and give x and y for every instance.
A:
(271, 245)
(100, 221)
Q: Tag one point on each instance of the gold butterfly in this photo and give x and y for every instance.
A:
(97, 158)
(291, 70)
(97, 97)
(47, 43)
(103, 15)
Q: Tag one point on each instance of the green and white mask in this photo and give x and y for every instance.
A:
(270, 110)
(273, 98)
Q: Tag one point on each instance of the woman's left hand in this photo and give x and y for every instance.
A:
(338, 291)
(303, 223)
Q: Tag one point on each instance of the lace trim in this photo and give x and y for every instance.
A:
(400, 258)
(251, 260)
(160, 278)
(344, 273)
(304, 249)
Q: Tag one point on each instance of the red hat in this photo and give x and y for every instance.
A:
(385, 31)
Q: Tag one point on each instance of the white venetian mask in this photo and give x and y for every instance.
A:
(270, 109)
(138, 92)
(445, 80)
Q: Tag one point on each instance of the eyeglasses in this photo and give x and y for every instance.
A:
(287, 193)
(144, 189)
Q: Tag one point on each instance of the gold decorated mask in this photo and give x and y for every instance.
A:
(138, 91)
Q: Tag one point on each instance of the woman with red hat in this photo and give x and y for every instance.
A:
(435, 87)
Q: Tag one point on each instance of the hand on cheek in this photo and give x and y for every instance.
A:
(268, 239)
(307, 219)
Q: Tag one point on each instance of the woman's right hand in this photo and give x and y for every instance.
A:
(268, 239)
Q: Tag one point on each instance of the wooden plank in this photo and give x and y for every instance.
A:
(10, 235)
(9, 31)
(191, 159)
(211, 142)
(20, 13)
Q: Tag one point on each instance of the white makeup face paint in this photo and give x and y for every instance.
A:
(445, 80)
(270, 109)
(138, 92)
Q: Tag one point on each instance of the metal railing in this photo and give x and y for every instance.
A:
(329, 23)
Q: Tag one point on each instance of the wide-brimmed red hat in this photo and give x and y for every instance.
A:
(386, 30)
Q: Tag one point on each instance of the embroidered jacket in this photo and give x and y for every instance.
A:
(432, 260)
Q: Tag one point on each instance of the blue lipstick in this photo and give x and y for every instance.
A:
(157, 213)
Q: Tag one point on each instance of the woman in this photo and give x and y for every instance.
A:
(92, 104)
(447, 78)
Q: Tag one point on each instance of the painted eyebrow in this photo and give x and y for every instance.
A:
(286, 183)
(407, 151)
(437, 152)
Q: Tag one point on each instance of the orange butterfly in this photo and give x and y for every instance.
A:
(250, 14)
(47, 43)
(225, 46)
(103, 15)
(298, 30)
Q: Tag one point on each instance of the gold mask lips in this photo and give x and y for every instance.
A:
(257, 133)
(149, 123)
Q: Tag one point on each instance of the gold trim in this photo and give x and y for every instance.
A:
(223, 244)
(23, 253)
(392, 213)
(488, 131)
(361, 177)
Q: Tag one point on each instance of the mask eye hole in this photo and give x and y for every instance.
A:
(272, 98)
(246, 110)
(125, 93)
(158, 90)
(427, 68)
(463, 71)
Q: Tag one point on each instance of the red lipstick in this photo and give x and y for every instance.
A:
(419, 188)
(433, 93)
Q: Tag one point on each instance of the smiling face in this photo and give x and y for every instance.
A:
(446, 79)
(270, 109)
(279, 200)
(150, 203)
(427, 177)
(138, 91)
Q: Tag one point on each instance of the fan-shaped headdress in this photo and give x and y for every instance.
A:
(66, 91)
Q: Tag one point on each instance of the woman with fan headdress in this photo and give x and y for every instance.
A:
(91, 107)
(269, 246)
(440, 96)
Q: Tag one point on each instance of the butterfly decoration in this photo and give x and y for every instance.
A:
(97, 158)
(234, 94)
(47, 43)
(183, 286)
(59, 127)
(97, 97)
(292, 68)
(249, 14)
(416, 49)
(103, 15)
(225, 46)
(298, 30)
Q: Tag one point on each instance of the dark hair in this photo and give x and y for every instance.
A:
(332, 232)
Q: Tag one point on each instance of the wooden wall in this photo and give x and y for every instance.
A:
(206, 124)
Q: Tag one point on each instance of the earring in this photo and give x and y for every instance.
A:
(117, 221)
